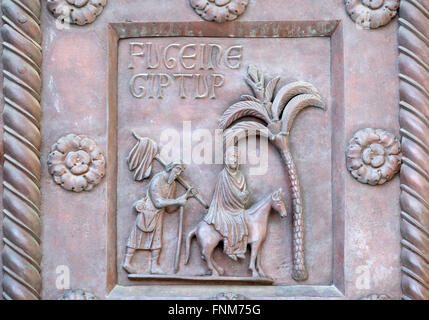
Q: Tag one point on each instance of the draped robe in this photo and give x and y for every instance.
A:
(227, 211)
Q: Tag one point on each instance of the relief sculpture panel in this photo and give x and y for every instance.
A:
(214, 149)
(209, 209)
(229, 219)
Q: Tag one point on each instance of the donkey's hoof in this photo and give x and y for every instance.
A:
(261, 273)
(221, 271)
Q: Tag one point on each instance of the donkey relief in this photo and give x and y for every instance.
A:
(256, 223)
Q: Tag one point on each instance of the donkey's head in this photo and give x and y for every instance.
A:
(278, 203)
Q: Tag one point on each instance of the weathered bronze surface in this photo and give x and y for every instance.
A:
(133, 94)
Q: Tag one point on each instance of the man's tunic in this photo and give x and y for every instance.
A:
(147, 232)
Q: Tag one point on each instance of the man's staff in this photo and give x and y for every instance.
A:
(179, 241)
(140, 160)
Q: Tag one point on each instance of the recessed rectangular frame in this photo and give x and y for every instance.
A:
(245, 29)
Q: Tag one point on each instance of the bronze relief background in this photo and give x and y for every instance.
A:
(86, 90)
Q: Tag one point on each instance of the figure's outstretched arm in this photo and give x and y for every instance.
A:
(161, 202)
(188, 194)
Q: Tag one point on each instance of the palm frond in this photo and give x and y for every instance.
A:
(255, 80)
(246, 97)
(243, 109)
(254, 73)
(297, 104)
(289, 91)
(243, 130)
(270, 88)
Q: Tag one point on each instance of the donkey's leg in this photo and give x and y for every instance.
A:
(252, 265)
(258, 263)
(209, 238)
(218, 267)
(207, 253)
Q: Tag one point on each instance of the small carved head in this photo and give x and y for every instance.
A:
(232, 158)
(175, 168)
(279, 203)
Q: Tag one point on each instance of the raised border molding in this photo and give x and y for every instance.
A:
(22, 83)
(413, 42)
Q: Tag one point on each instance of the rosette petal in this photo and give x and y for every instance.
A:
(237, 7)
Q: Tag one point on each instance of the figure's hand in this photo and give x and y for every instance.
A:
(181, 201)
(191, 192)
(139, 206)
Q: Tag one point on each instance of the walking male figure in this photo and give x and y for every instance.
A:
(147, 231)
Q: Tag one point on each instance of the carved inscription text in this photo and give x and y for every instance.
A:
(193, 69)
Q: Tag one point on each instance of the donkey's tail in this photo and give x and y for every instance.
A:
(189, 237)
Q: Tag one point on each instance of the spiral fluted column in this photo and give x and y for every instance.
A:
(22, 59)
(413, 39)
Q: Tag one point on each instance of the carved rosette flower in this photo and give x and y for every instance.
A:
(373, 156)
(219, 10)
(79, 12)
(371, 14)
(76, 163)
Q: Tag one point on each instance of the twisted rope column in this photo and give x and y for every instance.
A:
(22, 59)
(413, 38)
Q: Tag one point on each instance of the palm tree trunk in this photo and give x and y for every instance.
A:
(299, 272)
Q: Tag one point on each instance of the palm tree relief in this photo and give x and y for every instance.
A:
(275, 110)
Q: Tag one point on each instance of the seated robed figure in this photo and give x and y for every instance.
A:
(227, 209)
